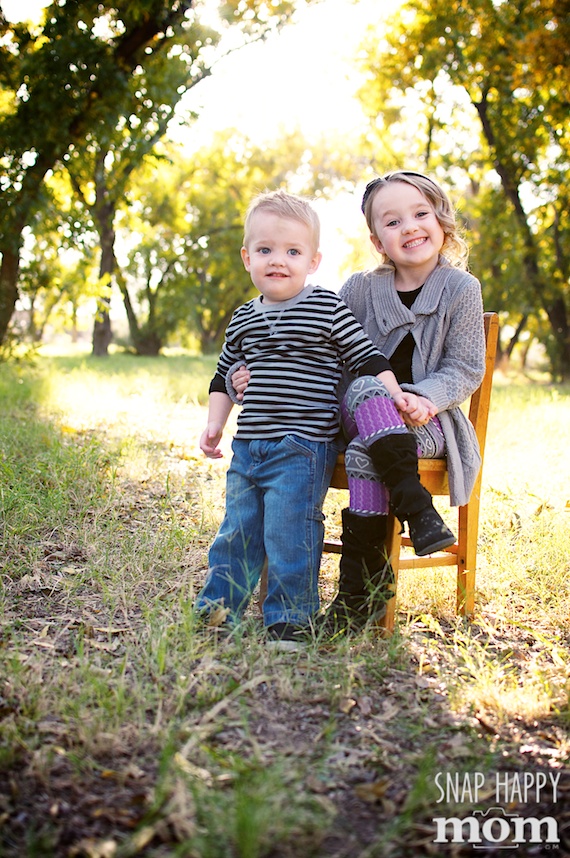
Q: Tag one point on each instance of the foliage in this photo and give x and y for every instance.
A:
(93, 87)
(176, 231)
(505, 67)
(58, 274)
(185, 273)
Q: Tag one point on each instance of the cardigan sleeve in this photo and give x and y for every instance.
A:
(451, 367)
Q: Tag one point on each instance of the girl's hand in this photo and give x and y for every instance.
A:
(415, 410)
(240, 380)
(432, 409)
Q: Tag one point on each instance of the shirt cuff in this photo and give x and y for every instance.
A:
(230, 390)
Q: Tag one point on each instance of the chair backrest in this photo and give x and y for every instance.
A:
(481, 399)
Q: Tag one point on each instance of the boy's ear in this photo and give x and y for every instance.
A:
(377, 243)
(245, 258)
(315, 262)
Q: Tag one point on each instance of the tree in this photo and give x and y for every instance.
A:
(184, 275)
(507, 65)
(84, 71)
(58, 260)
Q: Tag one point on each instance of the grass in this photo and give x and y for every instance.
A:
(123, 731)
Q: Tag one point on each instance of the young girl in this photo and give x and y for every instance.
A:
(424, 312)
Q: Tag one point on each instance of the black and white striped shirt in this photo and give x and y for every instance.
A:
(295, 351)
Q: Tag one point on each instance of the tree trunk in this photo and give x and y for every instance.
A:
(8, 289)
(516, 336)
(134, 329)
(148, 344)
(555, 307)
(102, 334)
(558, 318)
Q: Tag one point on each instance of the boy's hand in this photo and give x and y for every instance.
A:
(240, 380)
(210, 439)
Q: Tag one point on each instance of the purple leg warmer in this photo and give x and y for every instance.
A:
(369, 413)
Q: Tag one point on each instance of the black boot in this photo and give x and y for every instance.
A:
(365, 574)
(396, 460)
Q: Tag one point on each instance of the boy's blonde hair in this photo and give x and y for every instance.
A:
(454, 248)
(284, 205)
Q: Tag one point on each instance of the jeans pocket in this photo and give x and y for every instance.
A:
(302, 445)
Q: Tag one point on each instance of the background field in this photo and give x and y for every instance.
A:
(123, 732)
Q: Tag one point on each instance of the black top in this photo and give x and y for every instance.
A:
(401, 360)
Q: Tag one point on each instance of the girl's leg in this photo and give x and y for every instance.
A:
(395, 458)
(368, 413)
(368, 496)
(430, 441)
(385, 446)
(365, 573)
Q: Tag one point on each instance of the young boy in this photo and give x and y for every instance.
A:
(294, 340)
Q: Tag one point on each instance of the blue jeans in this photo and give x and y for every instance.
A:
(274, 497)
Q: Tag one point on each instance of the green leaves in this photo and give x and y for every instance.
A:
(485, 85)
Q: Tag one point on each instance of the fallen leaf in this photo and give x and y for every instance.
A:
(142, 838)
(218, 616)
(456, 747)
(190, 769)
(134, 771)
(372, 792)
(346, 704)
(90, 848)
(109, 630)
(316, 785)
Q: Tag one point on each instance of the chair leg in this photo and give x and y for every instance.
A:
(262, 587)
(393, 545)
(467, 552)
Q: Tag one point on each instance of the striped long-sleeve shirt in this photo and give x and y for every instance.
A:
(295, 351)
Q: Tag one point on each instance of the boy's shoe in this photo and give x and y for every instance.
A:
(285, 637)
(429, 532)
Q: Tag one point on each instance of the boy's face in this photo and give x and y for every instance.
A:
(279, 256)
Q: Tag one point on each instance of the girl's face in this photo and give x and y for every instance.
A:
(406, 228)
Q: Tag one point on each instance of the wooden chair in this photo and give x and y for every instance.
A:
(433, 474)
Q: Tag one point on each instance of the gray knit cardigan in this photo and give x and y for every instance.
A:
(448, 363)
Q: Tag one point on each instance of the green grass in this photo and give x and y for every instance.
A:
(123, 731)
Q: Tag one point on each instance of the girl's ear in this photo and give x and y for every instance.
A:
(377, 244)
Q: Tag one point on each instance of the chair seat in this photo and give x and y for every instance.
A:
(433, 475)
